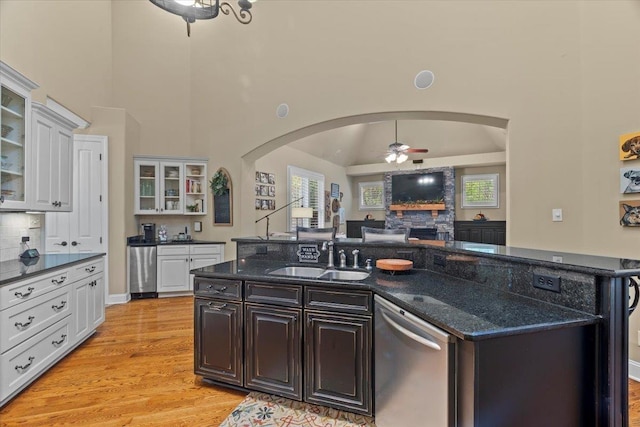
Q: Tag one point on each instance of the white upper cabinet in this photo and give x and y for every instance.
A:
(15, 122)
(169, 186)
(52, 161)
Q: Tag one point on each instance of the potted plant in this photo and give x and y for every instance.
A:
(219, 183)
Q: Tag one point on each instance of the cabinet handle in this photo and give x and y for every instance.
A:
(90, 270)
(59, 307)
(57, 282)
(217, 291)
(74, 243)
(216, 307)
(26, 294)
(23, 326)
(64, 243)
(57, 343)
(23, 368)
(1, 199)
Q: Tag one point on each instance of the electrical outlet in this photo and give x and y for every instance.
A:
(440, 260)
(548, 283)
(25, 239)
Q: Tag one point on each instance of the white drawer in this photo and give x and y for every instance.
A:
(24, 362)
(81, 271)
(26, 290)
(23, 321)
(206, 249)
(173, 250)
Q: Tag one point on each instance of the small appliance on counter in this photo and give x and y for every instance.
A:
(149, 232)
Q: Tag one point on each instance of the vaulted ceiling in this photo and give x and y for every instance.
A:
(367, 143)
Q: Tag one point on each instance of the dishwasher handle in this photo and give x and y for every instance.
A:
(422, 340)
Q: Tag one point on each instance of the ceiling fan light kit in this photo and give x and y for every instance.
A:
(397, 151)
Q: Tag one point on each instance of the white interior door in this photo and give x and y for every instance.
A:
(81, 229)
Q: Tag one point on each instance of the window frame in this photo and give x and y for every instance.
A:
(495, 200)
(319, 208)
(361, 187)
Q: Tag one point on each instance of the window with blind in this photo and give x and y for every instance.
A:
(310, 186)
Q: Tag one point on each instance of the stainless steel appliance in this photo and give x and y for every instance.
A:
(149, 232)
(414, 370)
(142, 271)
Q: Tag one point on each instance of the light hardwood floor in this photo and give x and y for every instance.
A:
(138, 370)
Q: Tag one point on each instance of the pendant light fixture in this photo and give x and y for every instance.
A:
(191, 10)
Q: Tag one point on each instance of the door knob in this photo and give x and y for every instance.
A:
(74, 243)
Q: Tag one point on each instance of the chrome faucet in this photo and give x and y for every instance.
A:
(368, 262)
(355, 253)
(329, 245)
(343, 258)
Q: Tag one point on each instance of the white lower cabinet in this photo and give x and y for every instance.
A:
(43, 318)
(89, 306)
(175, 262)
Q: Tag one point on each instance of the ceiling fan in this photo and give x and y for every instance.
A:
(398, 152)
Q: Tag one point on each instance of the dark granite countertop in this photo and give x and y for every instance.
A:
(177, 242)
(14, 270)
(583, 263)
(466, 309)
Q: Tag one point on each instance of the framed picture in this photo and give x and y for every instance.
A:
(264, 177)
(258, 204)
(335, 190)
(630, 180)
(272, 178)
(257, 176)
(630, 213)
(264, 204)
(630, 146)
(272, 191)
(257, 190)
(264, 190)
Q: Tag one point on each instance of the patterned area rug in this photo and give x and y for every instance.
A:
(265, 410)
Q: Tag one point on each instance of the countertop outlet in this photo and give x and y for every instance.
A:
(548, 283)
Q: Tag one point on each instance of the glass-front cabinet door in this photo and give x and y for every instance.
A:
(171, 190)
(147, 187)
(15, 113)
(158, 187)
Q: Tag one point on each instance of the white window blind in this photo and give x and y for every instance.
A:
(310, 186)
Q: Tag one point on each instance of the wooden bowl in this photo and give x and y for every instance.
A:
(392, 264)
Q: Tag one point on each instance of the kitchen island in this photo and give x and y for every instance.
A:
(517, 346)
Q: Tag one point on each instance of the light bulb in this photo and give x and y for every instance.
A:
(402, 157)
(390, 158)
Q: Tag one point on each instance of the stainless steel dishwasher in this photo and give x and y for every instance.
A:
(142, 271)
(414, 370)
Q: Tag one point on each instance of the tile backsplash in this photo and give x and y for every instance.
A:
(15, 225)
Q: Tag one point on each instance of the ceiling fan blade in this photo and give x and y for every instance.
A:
(416, 150)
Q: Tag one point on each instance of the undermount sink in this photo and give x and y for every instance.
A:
(311, 272)
(320, 273)
(344, 275)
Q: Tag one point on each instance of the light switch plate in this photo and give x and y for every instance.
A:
(197, 226)
(556, 214)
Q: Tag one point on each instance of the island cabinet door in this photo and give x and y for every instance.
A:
(338, 361)
(218, 340)
(273, 359)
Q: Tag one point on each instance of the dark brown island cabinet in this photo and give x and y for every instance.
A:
(336, 338)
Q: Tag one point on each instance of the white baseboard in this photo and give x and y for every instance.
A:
(118, 299)
(634, 370)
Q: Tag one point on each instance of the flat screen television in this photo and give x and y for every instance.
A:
(419, 188)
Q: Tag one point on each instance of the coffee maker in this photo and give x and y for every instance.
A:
(149, 231)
